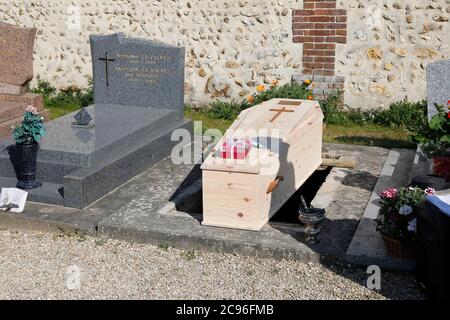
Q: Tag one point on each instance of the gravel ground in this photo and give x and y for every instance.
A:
(40, 266)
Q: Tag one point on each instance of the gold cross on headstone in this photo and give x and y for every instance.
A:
(280, 111)
(107, 60)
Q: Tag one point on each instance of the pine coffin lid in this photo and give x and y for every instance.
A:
(272, 128)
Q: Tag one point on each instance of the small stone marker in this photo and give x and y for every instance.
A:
(83, 119)
(438, 85)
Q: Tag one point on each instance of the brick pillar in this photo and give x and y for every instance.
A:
(320, 26)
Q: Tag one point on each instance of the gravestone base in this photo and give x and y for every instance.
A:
(7, 88)
(80, 165)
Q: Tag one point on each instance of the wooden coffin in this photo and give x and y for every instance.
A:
(286, 146)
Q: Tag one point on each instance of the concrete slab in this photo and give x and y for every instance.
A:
(367, 244)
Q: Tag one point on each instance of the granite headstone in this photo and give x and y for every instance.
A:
(16, 58)
(438, 85)
(137, 72)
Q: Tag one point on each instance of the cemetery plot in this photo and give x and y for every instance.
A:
(138, 103)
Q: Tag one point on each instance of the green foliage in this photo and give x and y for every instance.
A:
(31, 130)
(287, 91)
(71, 95)
(230, 110)
(224, 110)
(402, 114)
(434, 136)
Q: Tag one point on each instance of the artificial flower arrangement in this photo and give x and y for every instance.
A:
(398, 218)
(31, 129)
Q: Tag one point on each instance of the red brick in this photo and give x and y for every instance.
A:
(298, 19)
(302, 25)
(336, 25)
(298, 32)
(309, 5)
(320, 26)
(307, 58)
(302, 12)
(341, 19)
(319, 39)
(325, 46)
(327, 12)
(324, 59)
(320, 32)
(327, 4)
(306, 39)
(336, 39)
(341, 32)
(313, 53)
(313, 65)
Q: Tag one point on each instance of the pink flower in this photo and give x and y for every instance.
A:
(390, 193)
(31, 109)
(430, 191)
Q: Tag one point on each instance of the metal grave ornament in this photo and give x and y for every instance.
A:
(83, 119)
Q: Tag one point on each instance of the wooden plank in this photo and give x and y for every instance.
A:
(244, 194)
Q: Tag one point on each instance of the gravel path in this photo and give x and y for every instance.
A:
(37, 266)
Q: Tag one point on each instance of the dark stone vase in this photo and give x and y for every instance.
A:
(26, 157)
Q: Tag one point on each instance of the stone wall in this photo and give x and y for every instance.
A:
(389, 44)
(234, 45)
(231, 45)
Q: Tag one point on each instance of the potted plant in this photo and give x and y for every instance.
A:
(434, 139)
(27, 136)
(397, 219)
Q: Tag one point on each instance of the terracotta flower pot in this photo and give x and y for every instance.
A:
(398, 250)
(441, 167)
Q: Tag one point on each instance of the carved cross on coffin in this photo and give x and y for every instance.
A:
(280, 111)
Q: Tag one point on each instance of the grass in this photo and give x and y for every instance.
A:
(58, 110)
(366, 135)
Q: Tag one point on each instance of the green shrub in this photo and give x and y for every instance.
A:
(71, 95)
(287, 91)
(434, 136)
(402, 114)
(224, 110)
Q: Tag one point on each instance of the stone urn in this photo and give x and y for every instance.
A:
(311, 218)
(26, 166)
